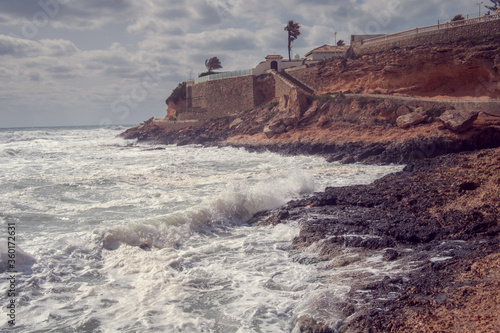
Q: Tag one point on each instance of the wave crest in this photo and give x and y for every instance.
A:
(235, 205)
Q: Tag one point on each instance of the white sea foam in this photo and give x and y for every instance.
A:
(84, 201)
(233, 206)
(19, 258)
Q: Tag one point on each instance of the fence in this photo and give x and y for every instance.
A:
(223, 75)
(430, 28)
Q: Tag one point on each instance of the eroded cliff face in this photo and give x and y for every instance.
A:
(464, 69)
(173, 107)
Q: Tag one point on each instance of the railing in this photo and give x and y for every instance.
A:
(223, 75)
(406, 33)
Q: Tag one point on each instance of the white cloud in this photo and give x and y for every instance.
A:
(50, 64)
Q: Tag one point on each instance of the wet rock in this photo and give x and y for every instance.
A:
(348, 160)
(306, 324)
(390, 255)
(458, 121)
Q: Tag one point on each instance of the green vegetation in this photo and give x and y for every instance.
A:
(178, 94)
(293, 29)
(212, 63)
(495, 7)
(458, 17)
(436, 112)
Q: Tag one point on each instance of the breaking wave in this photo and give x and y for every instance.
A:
(235, 205)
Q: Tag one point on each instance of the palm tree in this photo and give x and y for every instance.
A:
(496, 5)
(293, 29)
(341, 43)
(213, 63)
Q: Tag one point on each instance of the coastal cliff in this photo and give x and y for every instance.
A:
(360, 107)
(434, 108)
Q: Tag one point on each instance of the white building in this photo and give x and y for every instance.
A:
(277, 63)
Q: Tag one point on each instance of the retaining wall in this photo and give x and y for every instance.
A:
(282, 86)
(222, 97)
(421, 37)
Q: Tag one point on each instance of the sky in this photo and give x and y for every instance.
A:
(102, 62)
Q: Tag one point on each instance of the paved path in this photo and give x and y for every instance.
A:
(489, 106)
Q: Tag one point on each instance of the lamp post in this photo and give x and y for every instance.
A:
(479, 5)
(335, 33)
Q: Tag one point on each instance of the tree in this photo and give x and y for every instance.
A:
(495, 7)
(212, 63)
(458, 17)
(341, 43)
(293, 29)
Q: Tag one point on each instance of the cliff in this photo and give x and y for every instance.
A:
(434, 108)
(466, 69)
(358, 104)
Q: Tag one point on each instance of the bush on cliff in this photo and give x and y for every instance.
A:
(178, 94)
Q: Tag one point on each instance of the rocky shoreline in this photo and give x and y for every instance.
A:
(439, 216)
(434, 226)
(437, 221)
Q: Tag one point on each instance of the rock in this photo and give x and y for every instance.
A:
(268, 132)
(387, 110)
(390, 255)
(235, 123)
(291, 108)
(335, 158)
(323, 120)
(297, 102)
(348, 160)
(419, 109)
(458, 121)
(275, 127)
(411, 119)
(403, 110)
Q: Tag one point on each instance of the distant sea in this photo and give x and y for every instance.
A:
(116, 236)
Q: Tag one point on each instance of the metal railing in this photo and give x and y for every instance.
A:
(223, 75)
(436, 27)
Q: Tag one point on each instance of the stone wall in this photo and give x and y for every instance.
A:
(191, 114)
(282, 87)
(223, 97)
(170, 126)
(443, 35)
(264, 90)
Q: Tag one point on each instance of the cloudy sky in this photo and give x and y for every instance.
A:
(80, 62)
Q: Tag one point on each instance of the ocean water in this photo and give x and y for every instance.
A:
(115, 236)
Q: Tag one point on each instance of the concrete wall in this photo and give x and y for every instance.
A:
(442, 35)
(224, 96)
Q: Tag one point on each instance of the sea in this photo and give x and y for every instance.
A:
(103, 234)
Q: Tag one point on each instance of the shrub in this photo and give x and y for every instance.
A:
(178, 94)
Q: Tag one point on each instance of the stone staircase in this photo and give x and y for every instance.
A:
(294, 82)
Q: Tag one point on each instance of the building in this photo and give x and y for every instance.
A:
(277, 63)
(326, 52)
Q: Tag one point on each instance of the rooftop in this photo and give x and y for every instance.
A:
(327, 49)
